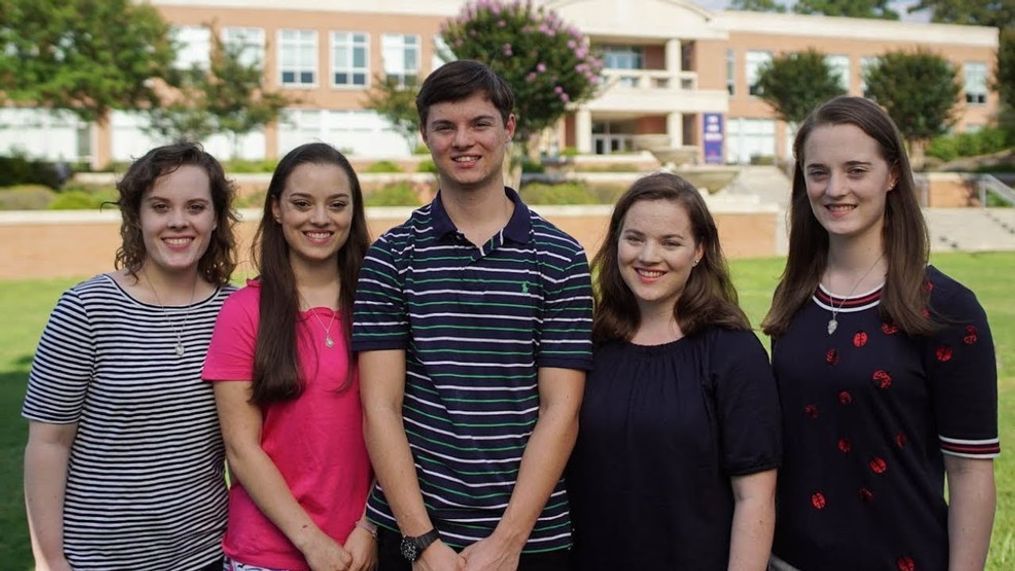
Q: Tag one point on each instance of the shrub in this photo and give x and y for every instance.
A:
(983, 142)
(383, 166)
(26, 197)
(248, 166)
(565, 193)
(570, 152)
(83, 198)
(396, 194)
(18, 169)
(426, 165)
(532, 166)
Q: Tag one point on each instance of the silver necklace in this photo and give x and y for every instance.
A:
(328, 341)
(180, 349)
(833, 323)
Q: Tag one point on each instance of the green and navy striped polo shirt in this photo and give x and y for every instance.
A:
(476, 324)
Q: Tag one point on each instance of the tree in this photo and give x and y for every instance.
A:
(228, 97)
(396, 102)
(85, 56)
(879, 9)
(1004, 81)
(997, 13)
(919, 91)
(757, 6)
(795, 83)
(547, 62)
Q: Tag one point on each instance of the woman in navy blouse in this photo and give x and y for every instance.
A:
(675, 462)
(885, 367)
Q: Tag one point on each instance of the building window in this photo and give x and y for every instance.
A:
(839, 66)
(866, 63)
(975, 74)
(755, 61)
(731, 72)
(349, 59)
(440, 50)
(249, 43)
(623, 57)
(401, 58)
(298, 57)
(193, 47)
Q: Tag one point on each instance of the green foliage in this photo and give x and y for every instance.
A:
(795, 83)
(997, 13)
(26, 197)
(395, 194)
(228, 97)
(426, 165)
(83, 199)
(918, 90)
(532, 166)
(758, 6)
(569, 152)
(1004, 81)
(397, 103)
(564, 193)
(382, 167)
(879, 9)
(249, 166)
(81, 55)
(19, 169)
(985, 141)
(547, 62)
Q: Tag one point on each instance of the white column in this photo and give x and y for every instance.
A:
(583, 130)
(673, 59)
(675, 129)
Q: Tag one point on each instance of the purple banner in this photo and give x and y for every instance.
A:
(713, 137)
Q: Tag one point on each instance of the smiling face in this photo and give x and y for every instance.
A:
(847, 181)
(468, 141)
(315, 212)
(656, 252)
(177, 220)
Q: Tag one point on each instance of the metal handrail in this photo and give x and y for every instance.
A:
(989, 183)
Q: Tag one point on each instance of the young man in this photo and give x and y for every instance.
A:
(472, 324)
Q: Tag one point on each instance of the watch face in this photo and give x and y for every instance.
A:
(408, 548)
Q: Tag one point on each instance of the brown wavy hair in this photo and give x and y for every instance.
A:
(219, 260)
(276, 363)
(904, 235)
(708, 299)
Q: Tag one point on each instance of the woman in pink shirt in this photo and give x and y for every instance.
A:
(285, 381)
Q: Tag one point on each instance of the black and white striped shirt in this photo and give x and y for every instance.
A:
(145, 486)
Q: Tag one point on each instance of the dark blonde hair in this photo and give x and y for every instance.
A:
(218, 261)
(709, 297)
(276, 363)
(904, 235)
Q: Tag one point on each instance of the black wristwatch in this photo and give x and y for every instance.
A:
(413, 547)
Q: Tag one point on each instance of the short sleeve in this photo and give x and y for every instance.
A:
(962, 372)
(565, 340)
(63, 366)
(379, 316)
(747, 404)
(231, 351)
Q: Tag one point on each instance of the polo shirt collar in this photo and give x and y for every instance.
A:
(518, 229)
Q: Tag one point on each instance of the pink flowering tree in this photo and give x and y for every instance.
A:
(547, 62)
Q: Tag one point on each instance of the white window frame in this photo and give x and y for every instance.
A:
(630, 57)
(753, 62)
(866, 62)
(350, 41)
(731, 72)
(251, 42)
(195, 46)
(974, 82)
(305, 44)
(394, 67)
(840, 67)
(438, 44)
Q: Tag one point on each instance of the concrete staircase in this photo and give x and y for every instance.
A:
(971, 229)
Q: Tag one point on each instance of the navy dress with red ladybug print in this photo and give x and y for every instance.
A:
(868, 413)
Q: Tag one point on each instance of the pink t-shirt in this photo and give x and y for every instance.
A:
(316, 440)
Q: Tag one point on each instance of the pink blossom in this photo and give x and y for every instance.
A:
(558, 90)
(506, 48)
(501, 23)
(530, 77)
(564, 97)
(571, 44)
(540, 67)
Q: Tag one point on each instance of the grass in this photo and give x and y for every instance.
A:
(25, 306)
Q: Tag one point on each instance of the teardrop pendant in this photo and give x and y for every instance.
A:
(179, 349)
(329, 342)
(832, 325)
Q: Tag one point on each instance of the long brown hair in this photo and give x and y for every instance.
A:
(904, 236)
(276, 363)
(709, 297)
(218, 261)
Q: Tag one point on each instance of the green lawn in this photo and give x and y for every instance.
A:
(25, 306)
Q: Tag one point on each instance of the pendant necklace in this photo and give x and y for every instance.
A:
(833, 323)
(328, 341)
(180, 349)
